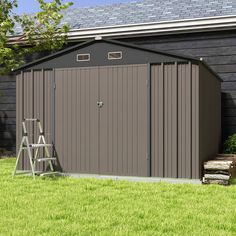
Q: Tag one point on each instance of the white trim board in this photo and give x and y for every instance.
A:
(154, 28)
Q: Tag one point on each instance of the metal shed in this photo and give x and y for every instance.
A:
(118, 109)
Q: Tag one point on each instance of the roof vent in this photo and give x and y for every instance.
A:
(98, 38)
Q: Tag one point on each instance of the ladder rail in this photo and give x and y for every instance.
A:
(36, 152)
(24, 128)
(18, 156)
(30, 157)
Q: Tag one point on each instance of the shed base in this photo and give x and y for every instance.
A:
(137, 179)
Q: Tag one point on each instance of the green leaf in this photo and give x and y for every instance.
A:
(230, 144)
(42, 32)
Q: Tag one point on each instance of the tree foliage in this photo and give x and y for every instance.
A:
(42, 31)
(230, 144)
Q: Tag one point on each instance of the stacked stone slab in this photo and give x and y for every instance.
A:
(221, 170)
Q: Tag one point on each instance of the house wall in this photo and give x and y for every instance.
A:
(218, 49)
(7, 112)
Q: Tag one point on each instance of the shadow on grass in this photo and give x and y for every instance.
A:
(233, 181)
(52, 177)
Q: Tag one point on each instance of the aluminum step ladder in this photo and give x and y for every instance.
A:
(33, 159)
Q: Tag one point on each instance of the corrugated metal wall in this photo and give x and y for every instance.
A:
(175, 122)
(76, 119)
(34, 100)
(123, 120)
(107, 140)
(113, 139)
(209, 115)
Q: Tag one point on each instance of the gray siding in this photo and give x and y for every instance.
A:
(7, 112)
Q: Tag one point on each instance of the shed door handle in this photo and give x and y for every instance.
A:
(100, 104)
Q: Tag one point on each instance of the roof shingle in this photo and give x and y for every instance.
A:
(146, 11)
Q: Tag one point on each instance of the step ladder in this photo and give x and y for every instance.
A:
(33, 159)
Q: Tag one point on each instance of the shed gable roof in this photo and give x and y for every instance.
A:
(133, 54)
(68, 55)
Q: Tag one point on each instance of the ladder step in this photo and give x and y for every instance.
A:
(46, 159)
(50, 173)
(35, 145)
(38, 145)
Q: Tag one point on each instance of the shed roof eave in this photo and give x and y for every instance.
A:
(153, 28)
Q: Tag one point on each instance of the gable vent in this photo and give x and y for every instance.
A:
(83, 57)
(114, 55)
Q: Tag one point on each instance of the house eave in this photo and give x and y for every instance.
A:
(154, 28)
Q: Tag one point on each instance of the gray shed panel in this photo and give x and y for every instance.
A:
(195, 164)
(34, 100)
(209, 115)
(185, 119)
(107, 140)
(156, 118)
(19, 111)
(185, 123)
(171, 120)
(173, 138)
(123, 119)
(76, 119)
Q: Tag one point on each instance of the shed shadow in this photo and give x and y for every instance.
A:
(56, 164)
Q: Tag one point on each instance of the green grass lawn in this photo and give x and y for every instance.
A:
(67, 206)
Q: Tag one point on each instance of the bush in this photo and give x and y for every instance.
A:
(230, 144)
